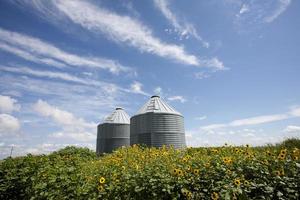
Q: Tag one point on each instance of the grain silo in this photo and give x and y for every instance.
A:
(114, 132)
(157, 124)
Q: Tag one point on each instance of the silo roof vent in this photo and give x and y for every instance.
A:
(119, 116)
(157, 105)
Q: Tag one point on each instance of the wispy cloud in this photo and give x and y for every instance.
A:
(201, 118)
(202, 75)
(45, 73)
(78, 136)
(30, 57)
(256, 12)
(158, 91)
(120, 29)
(295, 112)
(258, 120)
(36, 50)
(183, 28)
(292, 129)
(282, 6)
(137, 87)
(240, 136)
(181, 99)
(245, 8)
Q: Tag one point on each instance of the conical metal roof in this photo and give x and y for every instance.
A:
(119, 116)
(157, 105)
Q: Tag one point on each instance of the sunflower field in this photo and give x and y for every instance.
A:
(138, 172)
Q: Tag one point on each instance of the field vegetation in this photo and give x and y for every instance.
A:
(138, 172)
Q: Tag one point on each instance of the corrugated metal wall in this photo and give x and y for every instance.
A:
(112, 136)
(157, 129)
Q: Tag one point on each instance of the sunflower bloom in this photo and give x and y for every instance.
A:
(281, 172)
(189, 168)
(196, 171)
(102, 180)
(246, 183)
(100, 188)
(175, 171)
(215, 196)
(281, 156)
(277, 173)
(179, 172)
(237, 182)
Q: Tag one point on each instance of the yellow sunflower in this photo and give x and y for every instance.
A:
(281, 172)
(281, 156)
(215, 196)
(179, 172)
(102, 180)
(237, 182)
(100, 188)
(277, 173)
(175, 171)
(246, 183)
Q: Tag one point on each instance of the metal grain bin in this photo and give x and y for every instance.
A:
(114, 132)
(157, 124)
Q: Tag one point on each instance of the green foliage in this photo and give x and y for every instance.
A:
(270, 172)
(290, 143)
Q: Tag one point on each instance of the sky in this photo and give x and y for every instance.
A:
(230, 67)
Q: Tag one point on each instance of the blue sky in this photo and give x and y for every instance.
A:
(231, 67)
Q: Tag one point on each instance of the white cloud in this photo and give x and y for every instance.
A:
(72, 128)
(29, 56)
(60, 116)
(158, 91)
(295, 112)
(183, 28)
(47, 148)
(233, 137)
(36, 50)
(291, 131)
(83, 97)
(213, 126)
(177, 98)
(253, 120)
(283, 5)
(108, 87)
(218, 129)
(122, 29)
(201, 75)
(136, 87)
(258, 120)
(48, 74)
(245, 8)
(78, 136)
(249, 15)
(8, 104)
(201, 118)
(8, 124)
(118, 28)
(214, 63)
